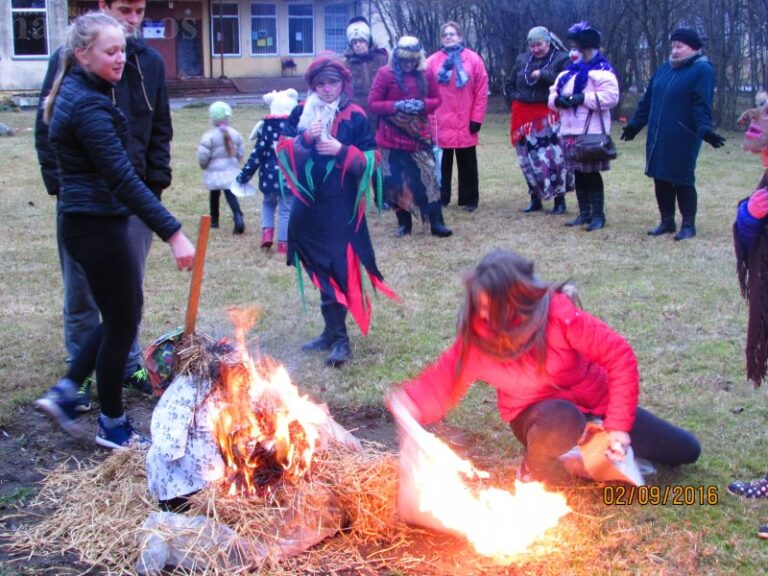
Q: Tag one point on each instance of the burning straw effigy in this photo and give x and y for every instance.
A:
(246, 475)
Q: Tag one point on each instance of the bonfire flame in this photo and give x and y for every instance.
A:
(265, 429)
(437, 485)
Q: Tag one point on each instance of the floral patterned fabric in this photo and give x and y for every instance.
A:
(542, 162)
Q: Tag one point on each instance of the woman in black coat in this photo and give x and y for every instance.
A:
(99, 191)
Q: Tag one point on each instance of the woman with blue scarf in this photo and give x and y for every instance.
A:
(463, 84)
(587, 83)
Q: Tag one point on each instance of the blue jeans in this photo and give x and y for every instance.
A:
(550, 428)
(270, 205)
(81, 315)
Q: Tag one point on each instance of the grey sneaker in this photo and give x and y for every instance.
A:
(61, 408)
(84, 394)
(139, 380)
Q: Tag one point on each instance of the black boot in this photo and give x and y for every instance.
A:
(666, 226)
(687, 228)
(559, 207)
(534, 206)
(237, 214)
(213, 201)
(325, 340)
(597, 200)
(404, 222)
(340, 351)
(436, 224)
(585, 210)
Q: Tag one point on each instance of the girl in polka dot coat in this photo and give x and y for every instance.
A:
(276, 200)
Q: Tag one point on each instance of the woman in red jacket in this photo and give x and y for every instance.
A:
(554, 368)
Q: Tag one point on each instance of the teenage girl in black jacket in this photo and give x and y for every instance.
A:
(99, 190)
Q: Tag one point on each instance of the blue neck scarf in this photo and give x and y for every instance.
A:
(581, 70)
(453, 61)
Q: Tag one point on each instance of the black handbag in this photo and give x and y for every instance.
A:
(593, 148)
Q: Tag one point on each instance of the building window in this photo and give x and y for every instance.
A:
(336, 17)
(225, 29)
(301, 25)
(263, 29)
(30, 22)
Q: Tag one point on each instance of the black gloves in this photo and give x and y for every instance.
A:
(474, 127)
(714, 139)
(629, 132)
(569, 101)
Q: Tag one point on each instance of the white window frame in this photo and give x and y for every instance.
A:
(44, 12)
(311, 18)
(343, 19)
(276, 45)
(214, 42)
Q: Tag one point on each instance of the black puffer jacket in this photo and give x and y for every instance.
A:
(143, 98)
(87, 136)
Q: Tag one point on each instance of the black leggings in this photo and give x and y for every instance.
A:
(550, 428)
(101, 246)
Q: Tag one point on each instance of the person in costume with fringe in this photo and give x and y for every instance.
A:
(750, 238)
(403, 94)
(533, 126)
(328, 162)
(588, 83)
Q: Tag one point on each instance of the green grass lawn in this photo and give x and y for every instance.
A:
(678, 304)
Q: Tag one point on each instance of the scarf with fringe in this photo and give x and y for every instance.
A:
(581, 70)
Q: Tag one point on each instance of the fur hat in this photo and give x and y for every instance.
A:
(686, 36)
(409, 48)
(282, 102)
(219, 112)
(584, 36)
(358, 29)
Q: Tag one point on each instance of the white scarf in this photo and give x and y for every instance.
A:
(315, 108)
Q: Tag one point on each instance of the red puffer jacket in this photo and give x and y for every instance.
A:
(587, 363)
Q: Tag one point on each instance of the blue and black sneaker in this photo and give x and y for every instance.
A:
(121, 437)
(139, 380)
(62, 404)
(763, 531)
(85, 394)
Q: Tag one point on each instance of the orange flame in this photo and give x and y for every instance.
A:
(435, 491)
(264, 428)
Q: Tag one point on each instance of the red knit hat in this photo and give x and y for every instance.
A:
(329, 63)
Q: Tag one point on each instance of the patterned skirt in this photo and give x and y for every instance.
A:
(572, 164)
(542, 160)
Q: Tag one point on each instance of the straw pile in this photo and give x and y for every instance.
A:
(96, 513)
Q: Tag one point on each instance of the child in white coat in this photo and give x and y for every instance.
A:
(219, 154)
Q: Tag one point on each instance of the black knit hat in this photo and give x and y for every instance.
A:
(686, 36)
(583, 35)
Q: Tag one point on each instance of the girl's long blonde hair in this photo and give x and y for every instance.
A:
(82, 33)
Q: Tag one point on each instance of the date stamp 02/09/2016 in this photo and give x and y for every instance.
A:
(674, 495)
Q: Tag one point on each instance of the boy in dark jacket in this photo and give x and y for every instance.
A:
(142, 97)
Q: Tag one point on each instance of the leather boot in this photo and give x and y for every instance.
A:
(559, 207)
(585, 210)
(534, 206)
(436, 224)
(597, 200)
(237, 214)
(687, 229)
(666, 226)
(340, 351)
(404, 222)
(325, 340)
(213, 202)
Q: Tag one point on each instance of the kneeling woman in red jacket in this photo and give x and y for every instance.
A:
(554, 368)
